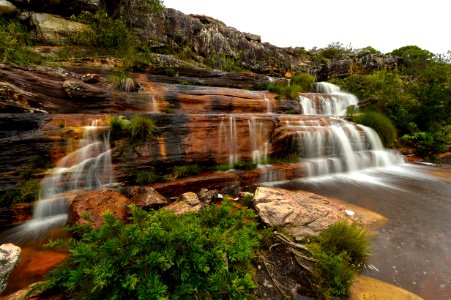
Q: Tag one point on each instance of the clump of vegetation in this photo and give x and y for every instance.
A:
(104, 32)
(14, 44)
(240, 165)
(224, 62)
(299, 83)
(381, 124)
(123, 83)
(340, 251)
(158, 255)
(347, 237)
(146, 177)
(25, 191)
(141, 129)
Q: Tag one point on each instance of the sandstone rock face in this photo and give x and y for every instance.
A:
(301, 213)
(51, 28)
(95, 203)
(187, 203)
(145, 197)
(9, 257)
(7, 8)
(208, 37)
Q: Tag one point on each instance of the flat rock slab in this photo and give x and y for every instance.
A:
(365, 288)
(9, 257)
(305, 214)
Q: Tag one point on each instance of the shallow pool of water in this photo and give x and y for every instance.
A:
(413, 249)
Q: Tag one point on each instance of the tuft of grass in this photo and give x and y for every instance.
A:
(146, 177)
(349, 238)
(141, 129)
(122, 83)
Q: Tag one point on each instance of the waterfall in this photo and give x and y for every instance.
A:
(152, 105)
(326, 99)
(228, 140)
(87, 168)
(339, 146)
(268, 105)
(259, 140)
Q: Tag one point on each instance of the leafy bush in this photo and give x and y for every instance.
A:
(14, 43)
(118, 127)
(334, 50)
(349, 238)
(304, 81)
(162, 256)
(146, 177)
(104, 32)
(426, 144)
(381, 124)
(333, 275)
(285, 91)
(141, 129)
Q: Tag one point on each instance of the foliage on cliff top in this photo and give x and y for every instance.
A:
(14, 43)
(158, 255)
(415, 97)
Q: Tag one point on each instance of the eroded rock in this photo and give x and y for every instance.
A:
(145, 197)
(9, 257)
(301, 213)
(94, 204)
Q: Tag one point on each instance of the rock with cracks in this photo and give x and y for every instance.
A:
(301, 213)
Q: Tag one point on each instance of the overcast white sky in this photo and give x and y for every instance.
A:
(384, 24)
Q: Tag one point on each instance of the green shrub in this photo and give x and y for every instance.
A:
(14, 43)
(426, 144)
(141, 129)
(285, 91)
(333, 275)
(104, 32)
(158, 255)
(146, 177)
(304, 81)
(118, 127)
(349, 238)
(381, 124)
(185, 171)
(244, 165)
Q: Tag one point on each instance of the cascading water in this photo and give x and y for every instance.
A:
(326, 99)
(152, 105)
(330, 144)
(87, 168)
(228, 140)
(259, 140)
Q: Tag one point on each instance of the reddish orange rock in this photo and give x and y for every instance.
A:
(95, 203)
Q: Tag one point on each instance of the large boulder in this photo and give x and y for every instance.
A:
(9, 257)
(301, 213)
(7, 8)
(51, 28)
(94, 204)
(145, 197)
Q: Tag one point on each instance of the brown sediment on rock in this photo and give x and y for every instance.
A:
(365, 288)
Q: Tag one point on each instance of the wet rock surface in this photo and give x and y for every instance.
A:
(9, 258)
